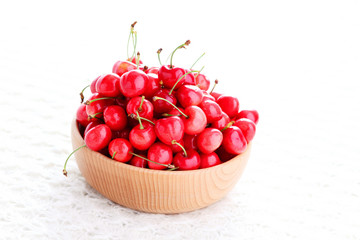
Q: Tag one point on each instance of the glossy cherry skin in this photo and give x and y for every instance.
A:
(234, 141)
(196, 121)
(98, 106)
(138, 162)
(82, 116)
(169, 129)
(133, 60)
(121, 67)
(115, 117)
(161, 106)
(209, 160)
(253, 115)
(229, 105)
(176, 148)
(98, 137)
(142, 139)
(247, 127)
(124, 133)
(123, 149)
(108, 85)
(208, 97)
(215, 95)
(212, 110)
(189, 78)
(202, 82)
(133, 83)
(146, 111)
(209, 140)
(154, 70)
(169, 76)
(189, 95)
(189, 162)
(190, 141)
(160, 153)
(93, 85)
(91, 125)
(152, 86)
(222, 122)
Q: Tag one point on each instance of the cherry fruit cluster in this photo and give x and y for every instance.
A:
(162, 117)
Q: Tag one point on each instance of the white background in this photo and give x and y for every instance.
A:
(296, 62)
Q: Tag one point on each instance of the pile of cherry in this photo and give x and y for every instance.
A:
(162, 118)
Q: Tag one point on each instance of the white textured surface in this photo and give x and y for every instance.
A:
(297, 63)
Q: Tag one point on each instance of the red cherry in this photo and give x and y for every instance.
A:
(253, 115)
(143, 106)
(169, 129)
(209, 160)
(152, 86)
(108, 86)
(222, 122)
(160, 153)
(187, 161)
(98, 137)
(234, 141)
(115, 117)
(133, 60)
(163, 106)
(93, 85)
(142, 136)
(138, 162)
(224, 155)
(175, 148)
(247, 127)
(190, 141)
(91, 125)
(208, 97)
(174, 112)
(212, 110)
(190, 78)
(202, 82)
(120, 149)
(154, 70)
(196, 120)
(216, 95)
(230, 105)
(189, 95)
(95, 108)
(169, 76)
(81, 115)
(209, 140)
(124, 133)
(122, 101)
(133, 83)
(121, 67)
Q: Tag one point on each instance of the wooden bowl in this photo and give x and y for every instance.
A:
(156, 191)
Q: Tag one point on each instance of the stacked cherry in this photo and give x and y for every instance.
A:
(162, 117)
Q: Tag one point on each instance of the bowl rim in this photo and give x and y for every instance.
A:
(75, 129)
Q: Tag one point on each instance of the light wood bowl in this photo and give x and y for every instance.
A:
(156, 191)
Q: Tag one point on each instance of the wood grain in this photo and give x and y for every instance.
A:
(153, 190)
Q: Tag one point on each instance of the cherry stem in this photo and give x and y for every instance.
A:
(165, 165)
(135, 43)
(170, 115)
(216, 82)
(160, 98)
(158, 53)
(197, 60)
(94, 116)
(98, 99)
(136, 117)
(172, 89)
(82, 93)
(228, 125)
(197, 74)
(181, 46)
(139, 119)
(113, 155)
(130, 35)
(64, 170)
(137, 60)
(175, 142)
(141, 103)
